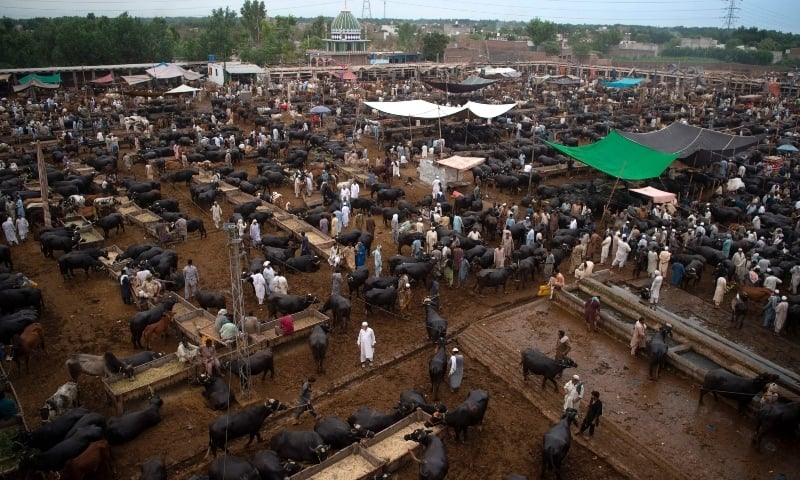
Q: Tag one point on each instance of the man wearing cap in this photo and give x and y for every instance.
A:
(795, 271)
(639, 337)
(216, 214)
(563, 347)
(260, 286)
(771, 281)
(663, 260)
(366, 343)
(655, 289)
(456, 371)
(436, 189)
(269, 275)
(573, 393)
(769, 309)
(190, 278)
(719, 290)
(623, 250)
(780, 314)
(740, 262)
(430, 239)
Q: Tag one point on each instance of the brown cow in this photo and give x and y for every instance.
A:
(23, 345)
(96, 454)
(172, 165)
(158, 329)
(755, 294)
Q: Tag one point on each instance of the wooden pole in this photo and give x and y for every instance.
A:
(605, 209)
(43, 187)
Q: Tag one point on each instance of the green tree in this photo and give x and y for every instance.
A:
(551, 47)
(603, 39)
(407, 37)
(540, 31)
(253, 13)
(219, 36)
(768, 44)
(433, 45)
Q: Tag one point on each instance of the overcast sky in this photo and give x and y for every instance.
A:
(782, 15)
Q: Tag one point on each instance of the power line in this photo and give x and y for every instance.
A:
(366, 10)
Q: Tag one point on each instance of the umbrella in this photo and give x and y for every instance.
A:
(784, 148)
(320, 110)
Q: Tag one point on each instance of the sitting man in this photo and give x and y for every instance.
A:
(229, 333)
(149, 292)
(285, 325)
(208, 357)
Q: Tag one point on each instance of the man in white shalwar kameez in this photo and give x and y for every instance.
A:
(260, 286)
(8, 230)
(22, 228)
(573, 393)
(366, 344)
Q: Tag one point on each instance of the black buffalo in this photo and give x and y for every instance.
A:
(301, 446)
(733, 386)
(340, 308)
(318, 340)
(229, 467)
(289, 304)
(236, 425)
(536, 362)
(112, 220)
(469, 413)
(556, 442)
(130, 425)
(338, 434)
(259, 362)
(380, 297)
(355, 280)
(493, 277)
(434, 464)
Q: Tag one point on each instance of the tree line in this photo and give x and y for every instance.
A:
(252, 36)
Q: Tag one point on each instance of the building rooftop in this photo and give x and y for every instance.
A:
(345, 22)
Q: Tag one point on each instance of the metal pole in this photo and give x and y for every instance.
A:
(43, 187)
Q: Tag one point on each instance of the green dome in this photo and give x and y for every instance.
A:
(345, 22)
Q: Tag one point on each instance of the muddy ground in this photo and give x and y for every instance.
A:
(87, 315)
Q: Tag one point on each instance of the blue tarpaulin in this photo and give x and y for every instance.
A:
(624, 82)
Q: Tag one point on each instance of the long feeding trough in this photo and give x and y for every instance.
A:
(387, 452)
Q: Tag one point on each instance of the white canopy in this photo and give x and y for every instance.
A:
(658, 196)
(171, 71)
(424, 109)
(182, 89)
(134, 79)
(462, 163)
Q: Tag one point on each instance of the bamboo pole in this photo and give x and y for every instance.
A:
(43, 186)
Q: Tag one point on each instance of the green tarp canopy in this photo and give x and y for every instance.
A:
(56, 78)
(619, 157)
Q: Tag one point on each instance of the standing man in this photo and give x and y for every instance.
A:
(255, 233)
(279, 285)
(436, 189)
(260, 286)
(305, 401)
(655, 289)
(191, 278)
(366, 343)
(719, 290)
(593, 414)
(639, 338)
(781, 310)
(216, 214)
(431, 237)
(663, 260)
(376, 255)
(8, 230)
(549, 264)
(22, 228)
(456, 370)
(181, 228)
(563, 346)
(125, 287)
(769, 310)
(573, 393)
(591, 313)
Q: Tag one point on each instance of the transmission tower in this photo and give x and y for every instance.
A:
(730, 13)
(366, 10)
(234, 251)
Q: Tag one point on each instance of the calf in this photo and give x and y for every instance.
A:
(229, 467)
(158, 329)
(318, 340)
(141, 358)
(536, 362)
(340, 311)
(112, 220)
(338, 434)
(434, 464)
(126, 427)
(141, 320)
(469, 413)
(23, 345)
(733, 386)
(300, 446)
(88, 462)
(236, 425)
(65, 397)
(556, 442)
(217, 393)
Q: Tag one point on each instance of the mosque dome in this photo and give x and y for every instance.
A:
(345, 22)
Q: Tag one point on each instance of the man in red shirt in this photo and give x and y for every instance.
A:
(285, 325)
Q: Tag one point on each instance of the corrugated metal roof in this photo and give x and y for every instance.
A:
(244, 68)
